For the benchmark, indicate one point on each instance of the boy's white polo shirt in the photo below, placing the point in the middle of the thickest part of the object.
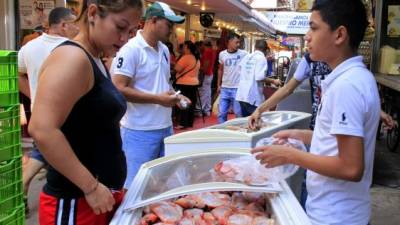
(150, 73)
(349, 106)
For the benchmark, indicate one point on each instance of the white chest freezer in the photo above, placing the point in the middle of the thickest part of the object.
(222, 135)
(189, 173)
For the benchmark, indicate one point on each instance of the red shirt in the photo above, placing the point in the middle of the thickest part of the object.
(208, 54)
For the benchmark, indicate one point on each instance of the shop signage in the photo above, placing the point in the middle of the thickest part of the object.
(303, 5)
(34, 12)
(261, 4)
(212, 33)
(290, 22)
(393, 29)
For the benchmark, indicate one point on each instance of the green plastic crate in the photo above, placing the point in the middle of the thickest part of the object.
(11, 193)
(10, 130)
(8, 78)
(13, 216)
(8, 63)
(10, 152)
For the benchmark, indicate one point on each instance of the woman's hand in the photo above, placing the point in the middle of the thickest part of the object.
(100, 200)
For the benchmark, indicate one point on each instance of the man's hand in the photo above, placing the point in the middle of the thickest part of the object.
(218, 90)
(168, 99)
(183, 98)
(388, 121)
(254, 119)
(277, 82)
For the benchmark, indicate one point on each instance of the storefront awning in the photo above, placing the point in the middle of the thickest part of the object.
(236, 10)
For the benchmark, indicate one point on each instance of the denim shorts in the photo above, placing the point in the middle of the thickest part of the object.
(35, 154)
(141, 146)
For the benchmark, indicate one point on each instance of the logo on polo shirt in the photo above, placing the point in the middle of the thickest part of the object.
(343, 121)
(120, 62)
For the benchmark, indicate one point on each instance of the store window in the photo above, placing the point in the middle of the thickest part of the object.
(389, 46)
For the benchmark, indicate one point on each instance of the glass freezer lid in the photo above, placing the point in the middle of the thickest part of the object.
(269, 120)
(186, 173)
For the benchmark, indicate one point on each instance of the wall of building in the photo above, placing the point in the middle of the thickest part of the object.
(7, 25)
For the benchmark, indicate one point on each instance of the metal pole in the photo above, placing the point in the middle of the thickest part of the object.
(378, 33)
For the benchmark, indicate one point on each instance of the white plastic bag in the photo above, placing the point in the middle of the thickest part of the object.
(283, 171)
(248, 170)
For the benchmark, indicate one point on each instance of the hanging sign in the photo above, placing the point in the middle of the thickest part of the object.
(303, 5)
(261, 4)
(393, 28)
(290, 22)
(212, 33)
(34, 12)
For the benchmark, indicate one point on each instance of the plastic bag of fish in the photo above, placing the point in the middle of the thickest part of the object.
(248, 170)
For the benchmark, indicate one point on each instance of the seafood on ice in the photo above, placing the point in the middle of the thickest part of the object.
(211, 208)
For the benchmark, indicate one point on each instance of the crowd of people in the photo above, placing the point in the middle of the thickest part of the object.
(95, 125)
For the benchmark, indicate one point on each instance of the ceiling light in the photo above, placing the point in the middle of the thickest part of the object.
(203, 7)
(196, 5)
(189, 2)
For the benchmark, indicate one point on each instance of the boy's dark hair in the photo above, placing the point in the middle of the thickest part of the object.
(348, 13)
(232, 35)
(58, 14)
(261, 45)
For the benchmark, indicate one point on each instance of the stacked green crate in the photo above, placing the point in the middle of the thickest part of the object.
(11, 193)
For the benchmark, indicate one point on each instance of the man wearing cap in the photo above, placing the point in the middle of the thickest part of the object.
(141, 72)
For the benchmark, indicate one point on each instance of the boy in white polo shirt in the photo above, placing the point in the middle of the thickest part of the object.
(341, 156)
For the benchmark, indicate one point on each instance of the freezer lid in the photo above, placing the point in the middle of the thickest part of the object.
(206, 136)
(270, 119)
(223, 133)
(186, 173)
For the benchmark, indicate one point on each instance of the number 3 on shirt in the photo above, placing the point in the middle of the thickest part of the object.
(120, 62)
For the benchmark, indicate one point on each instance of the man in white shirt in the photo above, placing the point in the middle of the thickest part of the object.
(341, 156)
(253, 69)
(30, 59)
(228, 77)
(141, 72)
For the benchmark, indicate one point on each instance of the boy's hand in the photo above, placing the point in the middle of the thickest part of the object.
(293, 133)
(273, 155)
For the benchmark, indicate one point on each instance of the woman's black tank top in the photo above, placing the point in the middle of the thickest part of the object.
(92, 129)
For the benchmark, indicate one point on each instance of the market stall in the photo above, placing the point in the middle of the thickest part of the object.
(163, 188)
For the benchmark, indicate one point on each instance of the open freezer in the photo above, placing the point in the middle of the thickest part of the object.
(234, 133)
(171, 181)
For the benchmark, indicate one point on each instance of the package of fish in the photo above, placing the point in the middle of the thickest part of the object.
(211, 208)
